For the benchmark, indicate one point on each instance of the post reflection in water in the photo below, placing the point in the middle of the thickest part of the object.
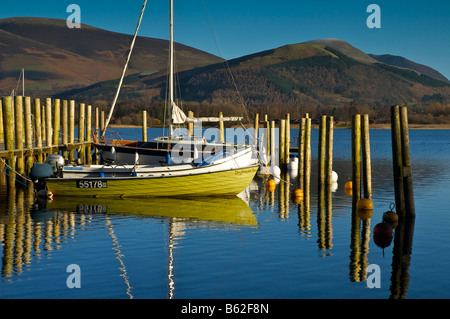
(29, 233)
(359, 244)
(35, 230)
(304, 218)
(401, 258)
(324, 218)
(25, 235)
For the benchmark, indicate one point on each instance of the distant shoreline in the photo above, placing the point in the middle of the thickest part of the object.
(384, 126)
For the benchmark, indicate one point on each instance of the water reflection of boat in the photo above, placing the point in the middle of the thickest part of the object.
(231, 210)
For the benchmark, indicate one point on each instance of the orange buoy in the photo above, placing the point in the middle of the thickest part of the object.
(297, 196)
(270, 184)
(297, 193)
(364, 203)
(348, 188)
(391, 218)
(297, 199)
(364, 214)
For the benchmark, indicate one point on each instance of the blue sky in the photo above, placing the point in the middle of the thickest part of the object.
(418, 30)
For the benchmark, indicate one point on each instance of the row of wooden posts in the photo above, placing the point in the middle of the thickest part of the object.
(54, 123)
(325, 150)
(25, 125)
(361, 158)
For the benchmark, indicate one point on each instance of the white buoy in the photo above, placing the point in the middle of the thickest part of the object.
(293, 165)
(293, 173)
(334, 176)
(275, 171)
(334, 187)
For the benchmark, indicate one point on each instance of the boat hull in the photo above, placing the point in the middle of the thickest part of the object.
(214, 183)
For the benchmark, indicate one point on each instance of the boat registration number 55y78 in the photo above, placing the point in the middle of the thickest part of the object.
(83, 183)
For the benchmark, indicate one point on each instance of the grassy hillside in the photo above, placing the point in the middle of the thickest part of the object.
(405, 63)
(306, 77)
(56, 58)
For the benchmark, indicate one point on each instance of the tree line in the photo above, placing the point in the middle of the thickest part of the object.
(130, 112)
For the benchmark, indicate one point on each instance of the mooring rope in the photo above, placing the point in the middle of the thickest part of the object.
(16, 172)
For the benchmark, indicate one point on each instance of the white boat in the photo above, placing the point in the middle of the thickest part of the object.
(156, 151)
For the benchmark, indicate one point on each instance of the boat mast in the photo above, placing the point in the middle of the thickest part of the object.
(124, 70)
(176, 114)
(171, 99)
(171, 56)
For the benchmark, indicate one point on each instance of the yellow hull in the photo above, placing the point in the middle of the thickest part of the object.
(222, 183)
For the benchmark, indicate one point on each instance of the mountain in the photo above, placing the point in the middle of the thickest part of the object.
(345, 48)
(56, 58)
(316, 74)
(401, 62)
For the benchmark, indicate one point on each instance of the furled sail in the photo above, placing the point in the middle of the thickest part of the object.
(178, 116)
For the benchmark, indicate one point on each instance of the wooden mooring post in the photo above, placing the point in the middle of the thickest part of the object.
(404, 198)
(307, 164)
(8, 121)
(81, 123)
(18, 113)
(361, 162)
(301, 152)
(366, 162)
(284, 142)
(71, 129)
(282, 145)
(221, 128)
(329, 152)
(268, 134)
(144, 126)
(37, 130)
(25, 124)
(56, 121)
(287, 140)
(321, 152)
(256, 129)
(356, 159)
(65, 126)
(28, 133)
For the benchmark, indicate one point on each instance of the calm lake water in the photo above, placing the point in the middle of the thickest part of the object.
(258, 245)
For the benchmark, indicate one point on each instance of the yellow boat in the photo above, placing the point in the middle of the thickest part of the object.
(218, 176)
(229, 182)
